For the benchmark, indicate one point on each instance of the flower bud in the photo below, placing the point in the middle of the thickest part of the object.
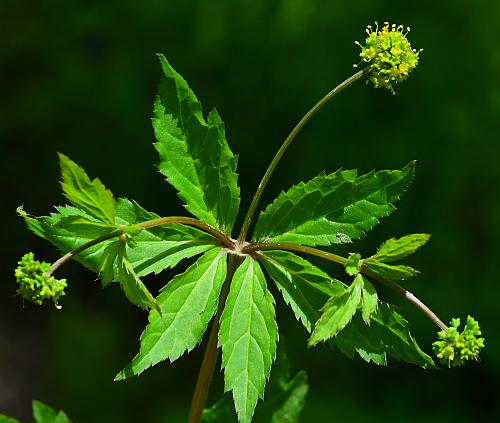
(35, 284)
(389, 54)
(454, 348)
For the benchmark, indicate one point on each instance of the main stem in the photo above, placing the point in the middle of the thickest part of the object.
(265, 179)
(211, 351)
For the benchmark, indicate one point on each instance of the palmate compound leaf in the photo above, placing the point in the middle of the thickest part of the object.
(90, 196)
(387, 334)
(194, 154)
(155, 249)
(248, 336)
(332, 209)
(304, 286)
(188, 303)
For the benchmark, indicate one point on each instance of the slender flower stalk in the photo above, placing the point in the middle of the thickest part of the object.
(253, 248)
(272, 166)
(161, 221)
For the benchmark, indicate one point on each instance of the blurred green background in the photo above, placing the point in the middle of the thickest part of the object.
(79, 76)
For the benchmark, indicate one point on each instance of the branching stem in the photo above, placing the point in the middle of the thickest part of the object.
(252, 248)
(307, 117)
(161, 221)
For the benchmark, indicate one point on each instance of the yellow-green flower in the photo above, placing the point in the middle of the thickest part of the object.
(389, 54)
(454, 348)
(35, 283)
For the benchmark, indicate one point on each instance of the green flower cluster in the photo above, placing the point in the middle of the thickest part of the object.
(390, 55)
(35, 284)
(454, 348)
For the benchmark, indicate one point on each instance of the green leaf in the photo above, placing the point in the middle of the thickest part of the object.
(194, 155)
(369, 299)
(396, 249)
(352, 264)
(332, 209)
(5, 419)
(45, 414)
(221, 411)
(291, 409)
(284, 401)
(337, 313)
(285, 396)
(388, 334)
(365, 340)
(160, 248)
(304, 286)
(248, 337)
(58, 228)
(115, 266)
(90, 196)
(134, 288)
(155, 249)
(108, 266)
(188, 303)
(399, 272)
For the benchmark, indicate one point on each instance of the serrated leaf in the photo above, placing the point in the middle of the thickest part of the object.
(45, 414)
(352, 264)
(388, 334)
(304, 286)
(248, 337)
(365, 340)
(115, 266)
(163, 247)
(90, 196)
(396, 249)
(369, 299)
(155, 249)
(337, 313)
(394, 272)
(285, 397)
(188, 303)
(108, 268)
(332, 209)
(134, 288)
(58, 230)
(194, 155)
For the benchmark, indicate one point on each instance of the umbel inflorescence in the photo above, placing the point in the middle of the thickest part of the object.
(389, 54)
(35, 283)
(455, 348)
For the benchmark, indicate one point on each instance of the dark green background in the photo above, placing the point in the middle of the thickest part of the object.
(80, 77)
